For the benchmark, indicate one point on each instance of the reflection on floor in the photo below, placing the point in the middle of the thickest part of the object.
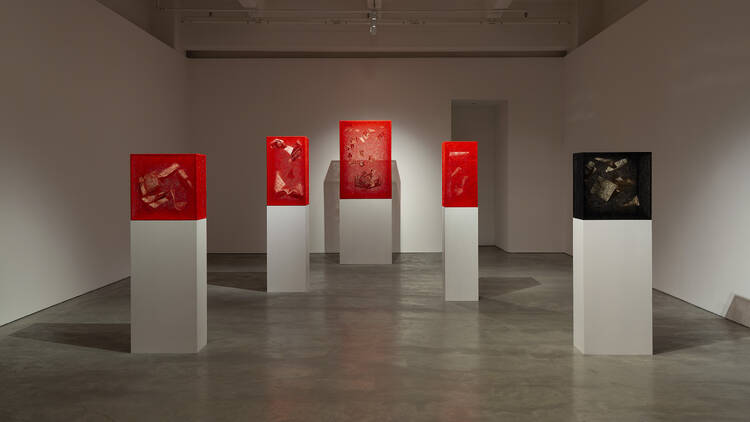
(373, 343)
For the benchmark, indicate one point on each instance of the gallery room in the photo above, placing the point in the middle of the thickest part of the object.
(374, 210)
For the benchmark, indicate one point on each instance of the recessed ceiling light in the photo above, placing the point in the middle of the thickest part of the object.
(249, 4)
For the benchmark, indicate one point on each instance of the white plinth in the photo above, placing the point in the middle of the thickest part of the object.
(612, 287)
(331, 207)
(167, 286)
(461, 253)
(288, 248)
(365, 231)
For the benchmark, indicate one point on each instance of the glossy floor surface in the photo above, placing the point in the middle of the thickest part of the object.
(373, 343)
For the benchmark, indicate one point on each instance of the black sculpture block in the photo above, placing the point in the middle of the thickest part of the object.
(612, 185)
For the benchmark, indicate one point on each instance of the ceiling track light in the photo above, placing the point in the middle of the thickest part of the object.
(251, 19)
(372, 16)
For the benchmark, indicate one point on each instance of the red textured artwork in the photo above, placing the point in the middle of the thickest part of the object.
(287, 169)
(365, 159)
(167, 186)
(460, 174)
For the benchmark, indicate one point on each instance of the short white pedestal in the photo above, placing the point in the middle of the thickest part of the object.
(612, 287)
(365, 231)
(288, 248)
(461, 253)
(167, 286)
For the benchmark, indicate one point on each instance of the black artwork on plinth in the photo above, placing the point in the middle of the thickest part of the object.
(612, 185)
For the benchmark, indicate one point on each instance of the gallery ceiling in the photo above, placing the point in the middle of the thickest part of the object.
(353, 4)
(372, 25)
(272, 28)
(391, 12)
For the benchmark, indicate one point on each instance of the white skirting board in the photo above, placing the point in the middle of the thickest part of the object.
(168, 286)
(461, 253)
(288, 248)
(612, 312)
(365, 231)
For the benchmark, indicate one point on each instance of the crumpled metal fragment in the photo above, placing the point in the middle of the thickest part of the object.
(280, 186)
(166, 188)
(367, 179)
(604, 188)
(294, 151)
(457, 181)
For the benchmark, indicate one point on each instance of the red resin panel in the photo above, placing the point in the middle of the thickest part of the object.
(460, 174)
(287, 170)
(167, 186)
(365, 159)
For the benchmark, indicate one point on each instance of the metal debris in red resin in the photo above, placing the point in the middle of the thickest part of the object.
(460, 174)
(287, 167)
(167, 186)
(365, 148)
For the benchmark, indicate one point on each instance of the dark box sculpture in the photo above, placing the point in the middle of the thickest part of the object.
(612, 185)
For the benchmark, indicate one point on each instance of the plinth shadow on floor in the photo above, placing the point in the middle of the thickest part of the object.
(374, 343)
(112, 337)
(679, 325)
(497, 286)
(256, 281)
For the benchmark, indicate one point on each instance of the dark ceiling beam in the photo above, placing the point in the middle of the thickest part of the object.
(245, 54)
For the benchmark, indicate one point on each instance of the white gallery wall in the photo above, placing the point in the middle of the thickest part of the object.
(672, 79)
(236, 103)
(502, 186)
(144, 14)
(81, 89)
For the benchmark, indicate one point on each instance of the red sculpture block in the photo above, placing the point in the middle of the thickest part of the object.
(287, 170)
(365, 159)
(460, 176)
(167, 186)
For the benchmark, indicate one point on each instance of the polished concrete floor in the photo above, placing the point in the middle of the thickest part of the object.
(373, 343)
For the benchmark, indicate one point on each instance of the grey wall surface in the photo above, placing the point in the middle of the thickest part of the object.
(81, 89)
(502, 182)
(666, 79)
(235, 104)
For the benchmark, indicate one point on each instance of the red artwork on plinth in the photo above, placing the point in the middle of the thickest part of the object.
(287, 169)
(365, 159)
(460, 176)
(167, 186)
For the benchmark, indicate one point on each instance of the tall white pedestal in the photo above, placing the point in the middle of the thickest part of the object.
(365, 231)
(461, 253)
(167, 286)
(331, 187)
(612, 287)
(288, 248)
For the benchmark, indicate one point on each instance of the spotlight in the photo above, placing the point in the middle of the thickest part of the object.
(373, 23)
